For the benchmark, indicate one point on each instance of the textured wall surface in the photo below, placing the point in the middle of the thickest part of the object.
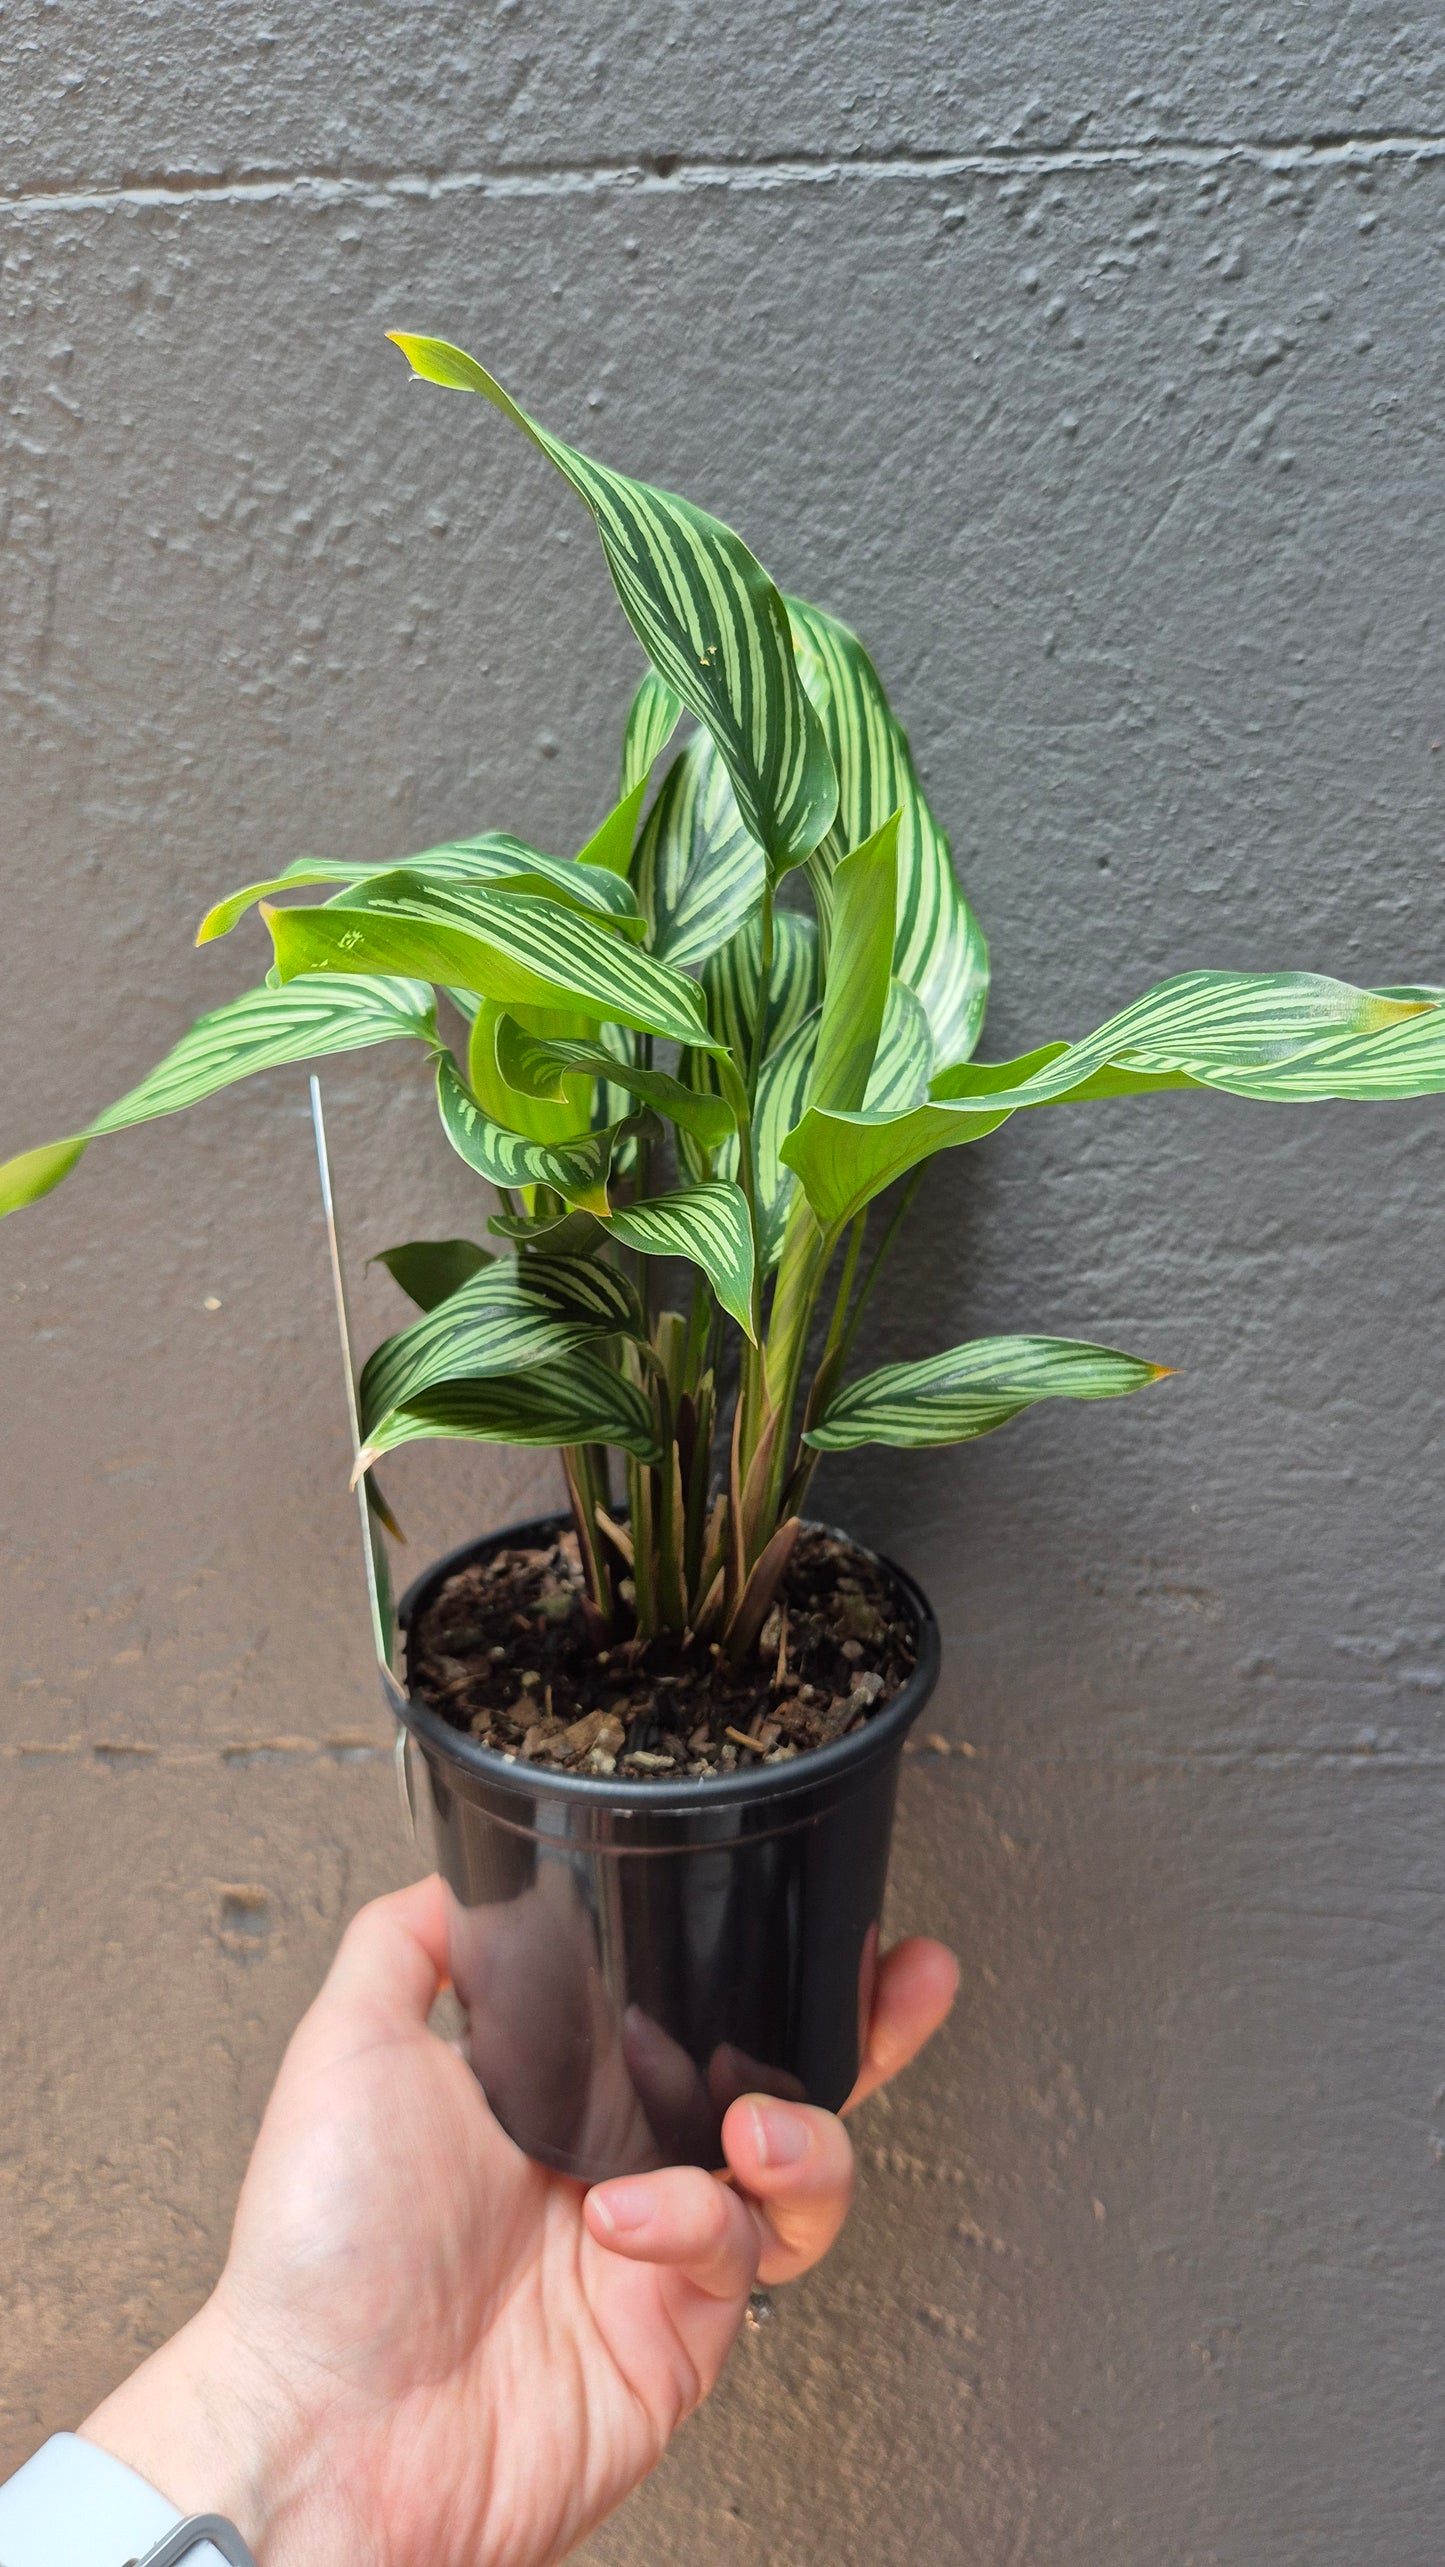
(1090, 361)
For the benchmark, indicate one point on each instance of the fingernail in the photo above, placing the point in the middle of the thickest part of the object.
(626, 2206)
(781, 2137)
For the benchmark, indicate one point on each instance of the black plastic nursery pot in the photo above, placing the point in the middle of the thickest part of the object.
(630, 1957)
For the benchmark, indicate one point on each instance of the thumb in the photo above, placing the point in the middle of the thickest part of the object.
(389, 1966)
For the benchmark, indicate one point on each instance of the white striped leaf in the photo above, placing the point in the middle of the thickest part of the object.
(1280, 1035)
(574, 1400)
(578, 1170)
(522, 952)
(899, 1077)
(537, 1064)
(428, 1270)
(951, 1398)
(698, 874)
(730, 989)
(513, 1314)
(901, 1064)
(652, 717)
(939, 948)
(707, 1223)
(557, 1234)
(730, 983)
(561, 1116)
(576, 882)
(707, 615)
(264, 1029)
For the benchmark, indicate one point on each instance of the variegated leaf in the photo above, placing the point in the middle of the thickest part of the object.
(557, 1234)
(510, 1316)
(730, 983)
(568, 1110)
(939, 949)
(1280, 1035)
(707, 1223)
(652, 717)
(899, 1077)
(698, 874)
(588, 886)
(574, 1400)
(536, 1065)
(578, 1170)
(901, 1064)
(951, 1398)
(264, 1029)
(708, 617)
(522, 952)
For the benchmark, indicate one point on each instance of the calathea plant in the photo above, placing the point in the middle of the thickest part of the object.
(724, 1040)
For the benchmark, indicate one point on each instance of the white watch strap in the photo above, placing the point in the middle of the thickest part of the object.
(72, 2505)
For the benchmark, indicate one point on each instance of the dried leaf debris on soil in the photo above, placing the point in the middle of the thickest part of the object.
(503, 1651)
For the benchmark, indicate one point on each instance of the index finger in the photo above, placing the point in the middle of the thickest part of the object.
(917, 1983)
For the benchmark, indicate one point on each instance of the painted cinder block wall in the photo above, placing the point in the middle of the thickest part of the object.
(1090, 362)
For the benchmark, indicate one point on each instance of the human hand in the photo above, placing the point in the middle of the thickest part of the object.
(427, 2351)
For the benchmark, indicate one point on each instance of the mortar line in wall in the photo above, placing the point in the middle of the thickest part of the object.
(352, 1748)
(346, 1747)
(680, 177)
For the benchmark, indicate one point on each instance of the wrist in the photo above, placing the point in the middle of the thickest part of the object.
(213, 2433)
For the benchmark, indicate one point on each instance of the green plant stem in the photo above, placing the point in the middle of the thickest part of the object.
(845, 1286)
(880, 1256)
(765, 982)
(641, 1189)
(840, 1338)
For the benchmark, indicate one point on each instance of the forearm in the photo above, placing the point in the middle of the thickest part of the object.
(213, 2432)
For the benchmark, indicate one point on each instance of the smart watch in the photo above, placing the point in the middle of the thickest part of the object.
(72, 2505)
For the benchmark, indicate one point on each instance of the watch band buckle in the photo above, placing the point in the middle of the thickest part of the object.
(187, 2536)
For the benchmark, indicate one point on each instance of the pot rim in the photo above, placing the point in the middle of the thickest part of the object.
(879, 1737)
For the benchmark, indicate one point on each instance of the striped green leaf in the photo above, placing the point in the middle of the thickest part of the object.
(428, 1270)
(855, 990)
(899, 1077)
(652, 717)
(951, 1398)
(901, 1064)
(707, 615)
(536, 1065)
(698, 874)
(509, 1317)
(708, 1224)
(265, 1029)
(558, 1234)
(574, 1400)
(939, 949)
(578, 1170)
(579, 883)
(568, 1110)
(782, 1090)
(1276, 1035)
(730, 983)
(521, 952)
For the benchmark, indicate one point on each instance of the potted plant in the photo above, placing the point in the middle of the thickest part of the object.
(704, 1065)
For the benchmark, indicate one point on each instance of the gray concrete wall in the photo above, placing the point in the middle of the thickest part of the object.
(1090, 361)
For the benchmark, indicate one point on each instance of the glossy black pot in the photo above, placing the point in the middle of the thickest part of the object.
(630, 1957)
